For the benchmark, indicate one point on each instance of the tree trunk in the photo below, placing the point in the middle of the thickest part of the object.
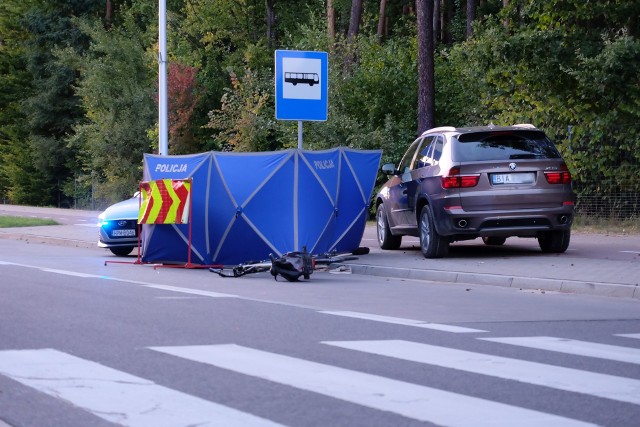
(354, 20)
(108, 15)
(437, 27)
(505, 4)
(448, 10)
(331, 21)
(271, 22)
(352, 34)
(426, 76)
(471, 16)
(382, 20)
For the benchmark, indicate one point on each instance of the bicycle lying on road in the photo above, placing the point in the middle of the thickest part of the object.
(291, 265)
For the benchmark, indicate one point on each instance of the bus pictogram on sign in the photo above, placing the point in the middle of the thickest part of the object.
(295, 78)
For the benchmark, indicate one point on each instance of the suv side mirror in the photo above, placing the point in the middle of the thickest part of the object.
(389, 169)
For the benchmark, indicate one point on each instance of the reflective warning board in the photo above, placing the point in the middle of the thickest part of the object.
(165, 201)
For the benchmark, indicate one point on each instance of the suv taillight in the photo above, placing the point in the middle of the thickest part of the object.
(563, 176)
(454, 180)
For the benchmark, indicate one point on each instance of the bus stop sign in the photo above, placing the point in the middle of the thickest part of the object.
(302, 82)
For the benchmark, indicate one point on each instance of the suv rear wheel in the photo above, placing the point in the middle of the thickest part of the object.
(432, 244)
(554, 242)
(386, 240)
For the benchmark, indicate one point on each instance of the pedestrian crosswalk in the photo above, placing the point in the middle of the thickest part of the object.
(130, 400)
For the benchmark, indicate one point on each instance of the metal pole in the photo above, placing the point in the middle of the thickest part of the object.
(163, 143)
(93, 199)
(300, 134)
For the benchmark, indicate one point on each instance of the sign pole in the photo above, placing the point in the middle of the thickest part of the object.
(163, 143)
(299, 134)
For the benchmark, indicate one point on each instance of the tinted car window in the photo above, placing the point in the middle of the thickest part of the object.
(437, 148)
(426, 150)
(406, 164)
(480, 146)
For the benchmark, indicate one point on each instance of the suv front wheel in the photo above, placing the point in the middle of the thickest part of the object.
(432, 244)
(494, 241)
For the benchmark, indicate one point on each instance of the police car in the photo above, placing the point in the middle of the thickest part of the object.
(118, 226)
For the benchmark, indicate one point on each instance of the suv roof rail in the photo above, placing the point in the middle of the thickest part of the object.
(440, 129)
(524, 126)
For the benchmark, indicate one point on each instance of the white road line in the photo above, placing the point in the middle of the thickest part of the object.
(190, 291)
(135, 282)
(402, 321)
(409, 400)
(57, 271)
(630, 252)
(116, 396)
(637, 336)
(580, 348)
(567, 379)
(67, 272)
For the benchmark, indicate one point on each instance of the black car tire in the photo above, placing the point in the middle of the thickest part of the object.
(494, 241)
(121, 250)
(386, 240)
(432, 244)
(554, 242)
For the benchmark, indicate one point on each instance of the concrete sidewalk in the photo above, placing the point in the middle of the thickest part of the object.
(517, 264)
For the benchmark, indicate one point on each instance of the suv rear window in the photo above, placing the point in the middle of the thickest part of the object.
(504, 145)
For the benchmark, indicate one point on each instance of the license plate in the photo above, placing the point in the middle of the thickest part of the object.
(123, 233)
(513, 178)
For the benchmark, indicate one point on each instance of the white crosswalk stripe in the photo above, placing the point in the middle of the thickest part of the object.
(410, 400)
(637, 336)
(569, 346)
(116, 396)
(567, 379)
(403, 321)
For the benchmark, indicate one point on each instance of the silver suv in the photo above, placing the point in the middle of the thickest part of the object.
(457, 184)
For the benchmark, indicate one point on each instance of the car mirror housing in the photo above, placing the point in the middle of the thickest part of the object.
(389, 169)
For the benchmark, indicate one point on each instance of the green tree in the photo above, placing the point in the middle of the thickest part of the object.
(15, 82)
(52, 108)
(245, 120)
(116, 87)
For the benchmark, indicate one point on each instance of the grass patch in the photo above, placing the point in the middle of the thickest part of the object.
(589, 224)
(19, 221)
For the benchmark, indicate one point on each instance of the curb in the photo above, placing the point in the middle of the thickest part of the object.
(556, 285)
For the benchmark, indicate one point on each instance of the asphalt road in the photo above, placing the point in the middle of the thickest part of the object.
(88, 344)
